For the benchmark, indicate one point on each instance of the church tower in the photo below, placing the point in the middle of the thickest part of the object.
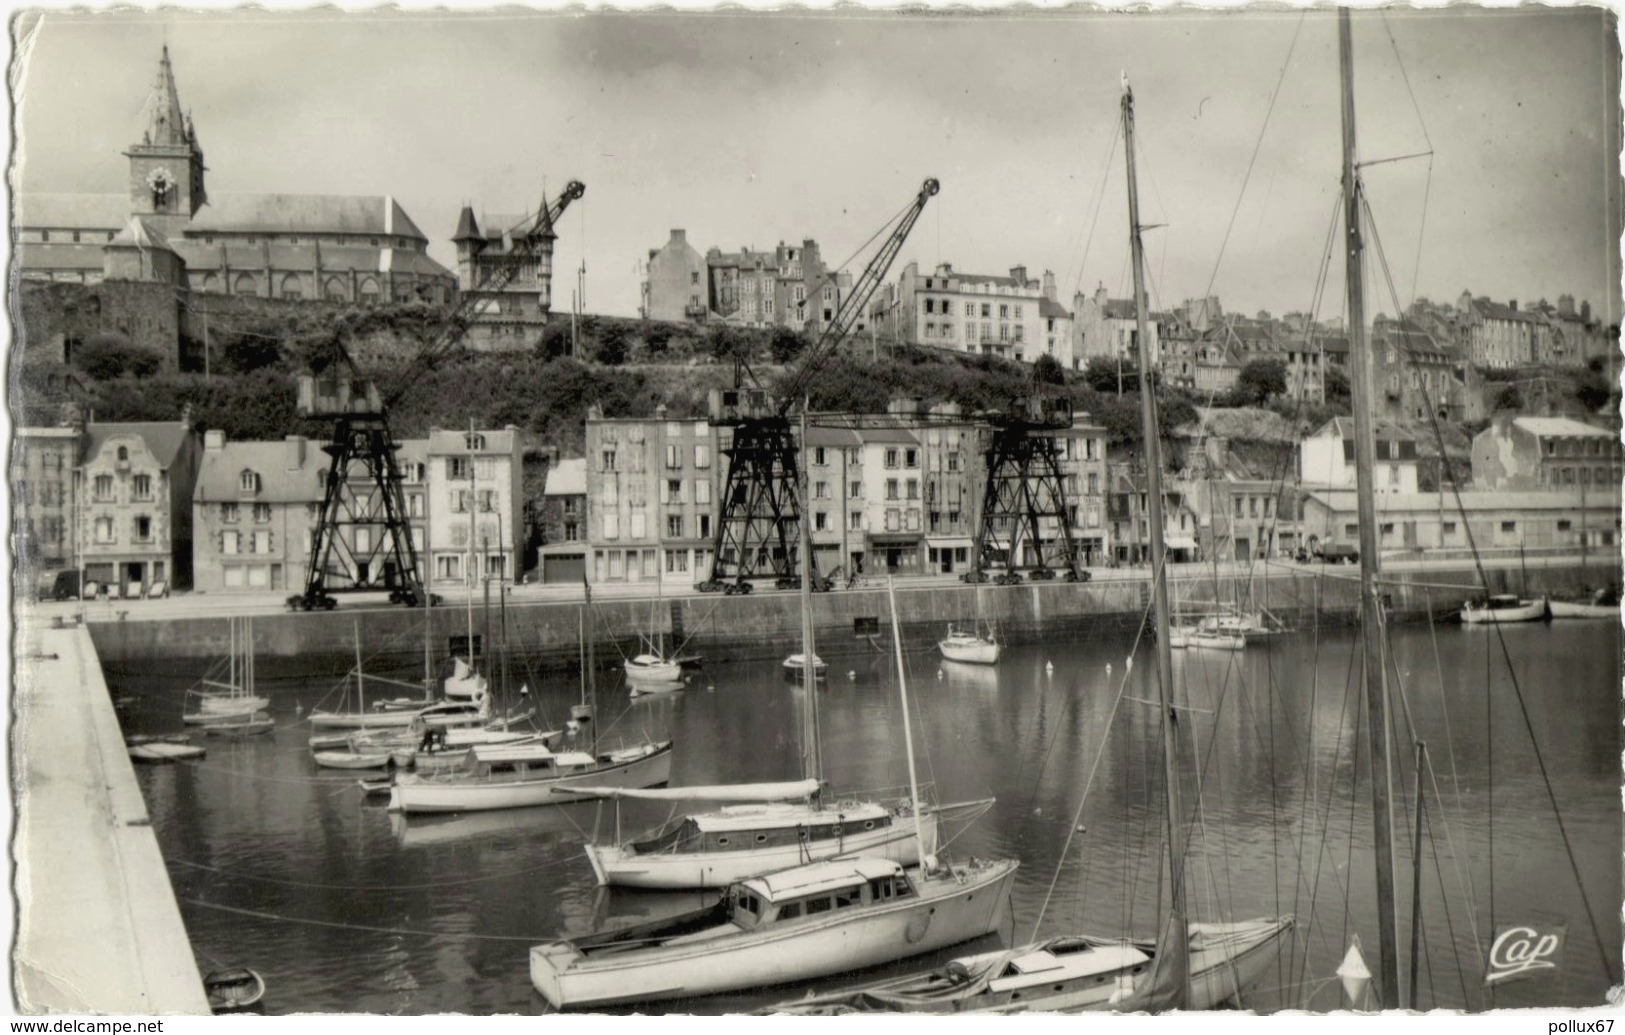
(166, 168)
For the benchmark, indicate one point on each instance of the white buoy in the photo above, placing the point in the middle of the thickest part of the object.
(1108, 668)
(939, 673)
(1130, 663)
(851, 674)
(1354, 973)
(1049, 668)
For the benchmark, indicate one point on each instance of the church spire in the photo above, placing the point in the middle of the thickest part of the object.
(165, 123)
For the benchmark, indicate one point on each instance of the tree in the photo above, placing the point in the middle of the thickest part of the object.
(786, 344)
(1108, 374)
(1592, 390)
(1258, 382)
(110, 354)
(1337, 389)
(1507, 397)
(1047, 370)
(612, 344)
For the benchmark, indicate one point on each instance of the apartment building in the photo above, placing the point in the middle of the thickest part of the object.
(472, 482)
(43, 528)
(1535, 453)
(651, 490)
(133, 505)
(977, 313)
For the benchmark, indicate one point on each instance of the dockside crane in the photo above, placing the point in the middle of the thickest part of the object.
(758, 528)
(1025, 496)
(362, 486)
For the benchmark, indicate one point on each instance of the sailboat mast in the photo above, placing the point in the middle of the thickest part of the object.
(908, 737)
(1360, 388)
(812, 764)
(1159, 571)
(360, 683)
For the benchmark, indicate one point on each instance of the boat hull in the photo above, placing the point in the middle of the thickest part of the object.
(413, 794)
(617, 866)
(945, 912)
(1216, 641)
(978, 652)
(1528, 611)
(1226, 960)
(1574, 609)
(351, 759)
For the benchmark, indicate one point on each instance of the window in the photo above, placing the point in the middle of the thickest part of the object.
(891, 458)
(705, 526)
(1094, 484)
(913, 488)
(674, 527)
(820, 521)
(262, 541)
(1565, 526)
(228, 513)
(891, 488)
(414, 505)
(820, 490)
(674, 455)
(141, 487)
(638, 526)
(674, 491)
(457, 468)
(676, 561)
(612, 526)
(103, 488)
(1509, 526)
(818, 457)
(854, 520)
(123, 454)
(953, 460)
(607, 458)
(229, 542)
(854, 491)
(262, 513)
(487, 500)
(459, 501)
(970, 308)
(702, 491)
(911, 458)
(448, 566)
(702, 455)
(104, 530)
(1238, 501)
(248, 481)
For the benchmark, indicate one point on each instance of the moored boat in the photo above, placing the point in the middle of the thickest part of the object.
(1069, 972)
(1604, 603)
(650, 671)
(1503, 608)
(966, 646)
(810, 921)
(162, 750)
(1212, 639)
(512, 776)
(797, 662)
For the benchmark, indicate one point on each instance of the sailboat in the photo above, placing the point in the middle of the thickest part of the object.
(767, 826)
(348, 721)
(650, 671)
(804, 922)
(234, 705)
(970, 645)
(514, 775)
(1189, 966)
(1600, 603)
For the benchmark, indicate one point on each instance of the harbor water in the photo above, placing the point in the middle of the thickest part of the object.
(345, 907)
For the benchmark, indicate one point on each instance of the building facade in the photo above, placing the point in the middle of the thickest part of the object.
(651, 487)
(44, 528)
(675, 283)
(1539, 453)
(975, 313)
(564, 522)
(1500, 336)
(1108, 328)
(1326, 458)
(1481, 521)
(133, 500)
(778, 288)
(254, 513)
(475, 506)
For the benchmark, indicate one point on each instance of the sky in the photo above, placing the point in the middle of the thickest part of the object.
(746, 129)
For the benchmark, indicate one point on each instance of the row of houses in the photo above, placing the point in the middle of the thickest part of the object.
(140, 508)
(143, 508)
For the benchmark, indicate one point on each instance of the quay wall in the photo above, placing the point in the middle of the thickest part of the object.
(765, 625)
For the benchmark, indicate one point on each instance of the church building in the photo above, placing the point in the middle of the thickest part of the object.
(166, 227)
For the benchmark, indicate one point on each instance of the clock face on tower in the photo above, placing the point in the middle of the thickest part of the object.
(162, 183)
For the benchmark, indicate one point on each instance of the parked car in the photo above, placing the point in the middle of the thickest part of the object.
(1339, 553)
(62, 585)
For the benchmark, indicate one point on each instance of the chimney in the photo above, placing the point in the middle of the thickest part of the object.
(660, 412)
(1019, 275)
(1049, 285)
(1585, 312)
(679, 236)
(186, 415)
(214, 439)
(296, 451)
(1513, 305)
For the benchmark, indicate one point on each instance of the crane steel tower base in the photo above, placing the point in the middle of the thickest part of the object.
(760, 523)
(1024, 497)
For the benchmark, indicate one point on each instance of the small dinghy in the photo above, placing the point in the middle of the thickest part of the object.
(234, 991)
(251, 726)
(352, 759)
(162, 749)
